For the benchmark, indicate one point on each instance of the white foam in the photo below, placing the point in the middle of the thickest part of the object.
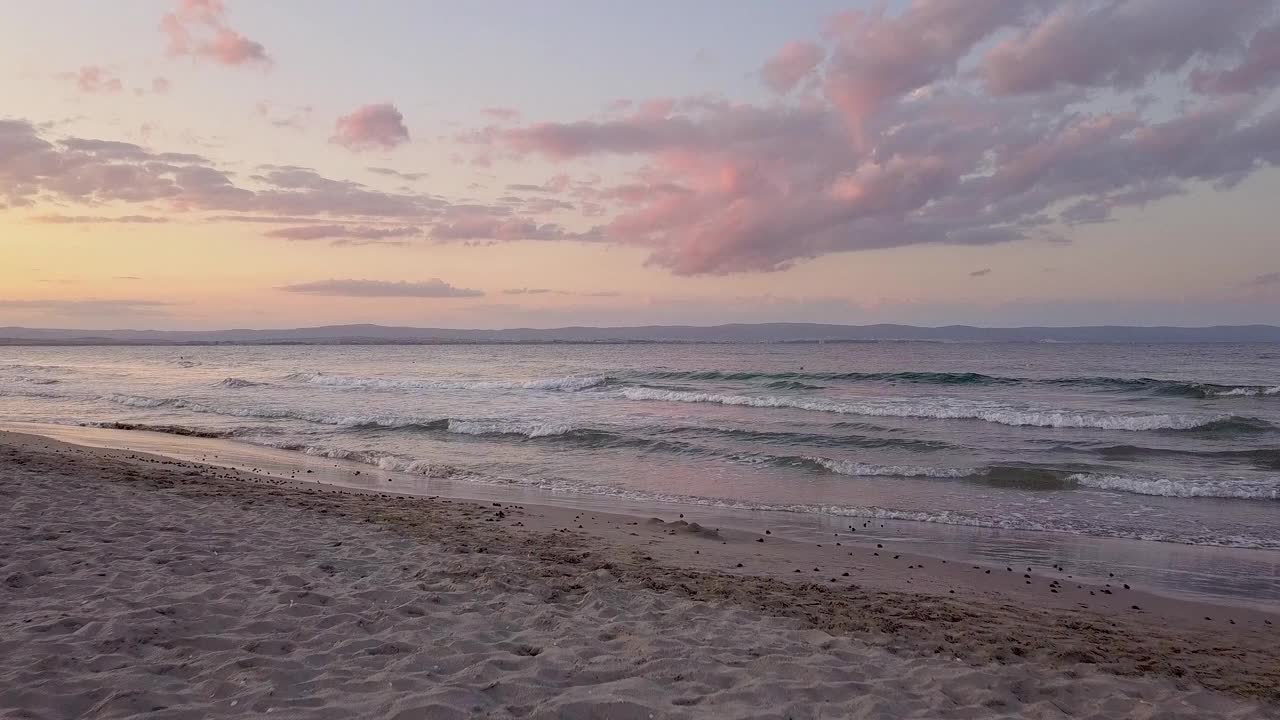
(381, 460)
(1165, 487)
(572, 383)
(1250, 391)
(857, 469)
(940, 409)
(1006, 520)
(234, 382)
(530, 430)
(386, 421)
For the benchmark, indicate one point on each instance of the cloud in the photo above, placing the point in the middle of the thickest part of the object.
(466, 224)
(95, 79)
(264, 219)
(1128, 43)
(546, 291)
(961, 122)
(433, 288)
(96, 219)
(791, 65)
(161, 85)
(501, 114)
(87, 307)
(945, 122)
(294, 118)
(1264, 280)
(348, 233)
(1259, 67)
(199, 29)
(980, 273)
(92, 171)
(410, 177)
(371, 127)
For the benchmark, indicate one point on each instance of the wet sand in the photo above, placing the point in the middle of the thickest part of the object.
(131, 582)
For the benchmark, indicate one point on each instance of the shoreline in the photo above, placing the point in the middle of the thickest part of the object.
(1244, 578)
(895, 600)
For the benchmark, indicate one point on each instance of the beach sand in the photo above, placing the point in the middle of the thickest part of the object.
(133, 585)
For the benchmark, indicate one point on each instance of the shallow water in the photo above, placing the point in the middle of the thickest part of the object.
(1166, 442)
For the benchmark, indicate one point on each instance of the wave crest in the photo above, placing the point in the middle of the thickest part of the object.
(1177, 488)
(572, 383)
(234, 382)
(940, 410)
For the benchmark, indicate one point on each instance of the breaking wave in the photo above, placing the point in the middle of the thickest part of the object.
(182, 430)
(943, 409)
(348, 421)
(1182, 488)
(797, 381)
(234, 382)
(573, 383)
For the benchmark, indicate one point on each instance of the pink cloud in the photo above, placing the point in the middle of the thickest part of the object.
(960, 122)
(94, 79)
(794, 62)
(880, 57)
(198, 29)
(925, 134)
(370, 127)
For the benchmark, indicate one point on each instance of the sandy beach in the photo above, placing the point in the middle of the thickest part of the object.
(135, 585)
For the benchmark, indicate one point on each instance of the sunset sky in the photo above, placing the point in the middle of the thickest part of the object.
(212, 164)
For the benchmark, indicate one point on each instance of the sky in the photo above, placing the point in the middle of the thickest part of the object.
(224, 163)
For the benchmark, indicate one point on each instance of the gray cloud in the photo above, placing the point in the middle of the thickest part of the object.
(546, 291)
(350, 233)
(1264, 280)
(96, 219)
(411, 177)
(433, 288)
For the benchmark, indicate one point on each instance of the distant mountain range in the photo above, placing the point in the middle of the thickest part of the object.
(738, 333)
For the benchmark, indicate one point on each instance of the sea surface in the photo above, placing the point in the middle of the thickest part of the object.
(1171, 443)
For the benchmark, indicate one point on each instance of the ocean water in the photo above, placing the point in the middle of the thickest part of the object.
(1173, 443)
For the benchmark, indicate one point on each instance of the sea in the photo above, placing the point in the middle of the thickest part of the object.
(1175, 444)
